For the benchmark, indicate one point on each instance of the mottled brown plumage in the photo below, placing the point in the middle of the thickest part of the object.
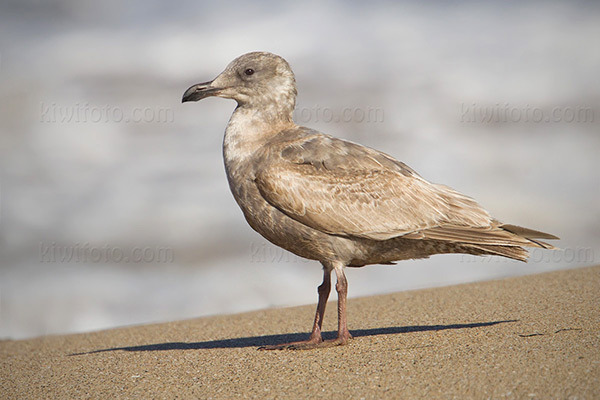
(335, 201)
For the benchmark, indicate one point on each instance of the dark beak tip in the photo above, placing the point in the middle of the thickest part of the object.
(198, 92)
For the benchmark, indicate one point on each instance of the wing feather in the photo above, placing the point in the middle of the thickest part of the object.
(346, 189)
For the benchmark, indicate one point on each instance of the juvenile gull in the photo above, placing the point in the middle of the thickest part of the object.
(334, 201)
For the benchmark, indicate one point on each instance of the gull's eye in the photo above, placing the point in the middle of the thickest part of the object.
(249, 71)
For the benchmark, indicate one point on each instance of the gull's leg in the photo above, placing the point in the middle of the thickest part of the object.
(323, 290)
(342, 289)
(315, 337)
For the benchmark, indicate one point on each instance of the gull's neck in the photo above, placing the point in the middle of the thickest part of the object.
(249, 128)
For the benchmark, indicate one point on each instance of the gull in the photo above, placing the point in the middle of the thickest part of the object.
(335, 201)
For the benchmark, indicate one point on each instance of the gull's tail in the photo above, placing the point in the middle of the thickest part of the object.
(527, 237)
(497, 239)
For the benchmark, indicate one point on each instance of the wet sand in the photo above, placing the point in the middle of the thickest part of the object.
(528, 337)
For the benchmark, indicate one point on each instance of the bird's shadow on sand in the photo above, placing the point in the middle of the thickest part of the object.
(257, 341)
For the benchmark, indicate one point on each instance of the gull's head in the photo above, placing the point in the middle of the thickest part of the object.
(259, 80)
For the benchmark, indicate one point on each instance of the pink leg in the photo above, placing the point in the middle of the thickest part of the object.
(315, 337)
(323, 291)
(342, 290)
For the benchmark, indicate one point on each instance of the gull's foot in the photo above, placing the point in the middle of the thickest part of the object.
(341, 340)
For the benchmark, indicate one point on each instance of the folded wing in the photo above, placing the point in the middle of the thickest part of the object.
(345, 189)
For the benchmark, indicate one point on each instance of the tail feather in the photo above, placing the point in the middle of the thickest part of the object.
(528, 233)
(497, 239)
(494, 235)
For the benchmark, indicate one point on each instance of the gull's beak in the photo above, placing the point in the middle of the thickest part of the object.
(199, 92)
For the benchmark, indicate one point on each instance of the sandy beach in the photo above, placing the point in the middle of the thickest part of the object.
(536, 336)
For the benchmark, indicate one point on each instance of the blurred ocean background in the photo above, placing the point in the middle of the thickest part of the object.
(114, 206)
